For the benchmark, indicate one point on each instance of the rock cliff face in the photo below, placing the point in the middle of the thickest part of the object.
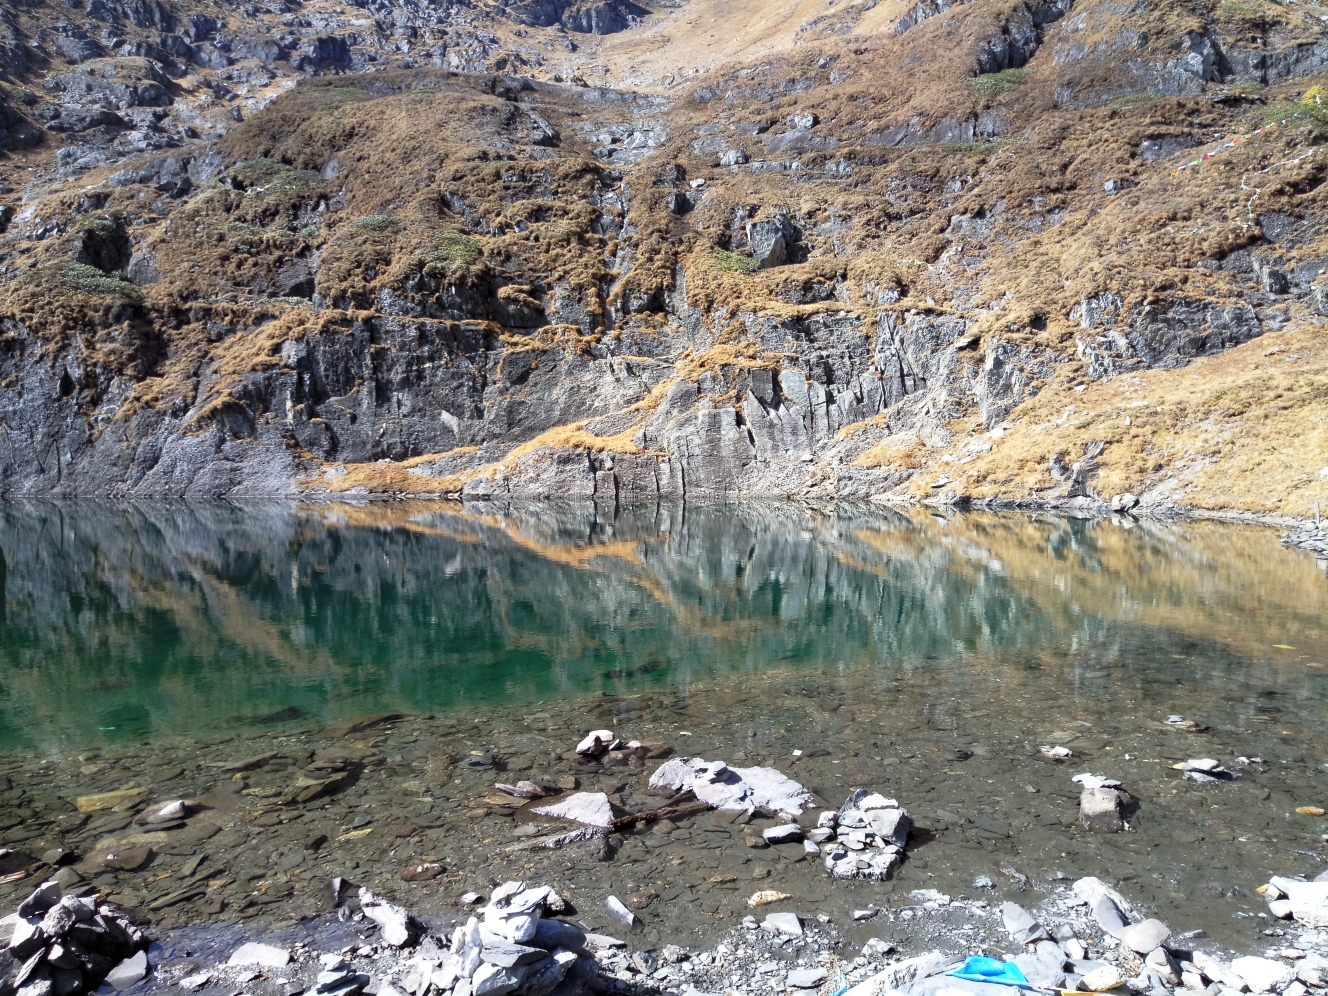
(942, 253)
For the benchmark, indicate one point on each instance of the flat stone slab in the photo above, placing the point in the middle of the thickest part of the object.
(1144, 937)
(783, 923)
(591, 808)
(901, 974)
(1021, 924)
(1109, 917)
(722, 787)
(107, 800)
(1090, 888)
(255, 953)
(129, 972)
(806, 978)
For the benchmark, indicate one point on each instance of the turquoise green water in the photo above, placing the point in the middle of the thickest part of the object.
(134, 621)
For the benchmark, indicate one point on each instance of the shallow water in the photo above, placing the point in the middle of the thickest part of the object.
(926, 655)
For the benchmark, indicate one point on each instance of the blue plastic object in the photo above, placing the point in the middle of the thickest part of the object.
(978, 969)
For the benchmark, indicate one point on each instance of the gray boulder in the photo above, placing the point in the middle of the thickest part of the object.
(16, 131)
(117, 84)
(600, 17)
(1145, 937)
(1021, 925)
(77, 119)
(74, 43)
(767, 241)
(140, 13)
(1273, 280)
(1101, 809)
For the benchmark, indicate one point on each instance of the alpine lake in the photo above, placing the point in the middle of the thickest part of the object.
(340, 687)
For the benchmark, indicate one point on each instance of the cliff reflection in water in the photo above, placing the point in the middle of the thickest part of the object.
(168, 618)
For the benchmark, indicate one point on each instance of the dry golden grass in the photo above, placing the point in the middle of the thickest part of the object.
(395, 477)
(655, 398)
(731, 355)
(1245, 429)
(893, 453)
(574, 437)
(389, 477)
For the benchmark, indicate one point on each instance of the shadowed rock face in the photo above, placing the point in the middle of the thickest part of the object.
(596, 17)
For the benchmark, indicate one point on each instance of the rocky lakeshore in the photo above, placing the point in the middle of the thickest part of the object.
(295, 871)
(1311, 535)
(1083, 936)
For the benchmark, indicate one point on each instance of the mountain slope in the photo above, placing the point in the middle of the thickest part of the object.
(924, 251)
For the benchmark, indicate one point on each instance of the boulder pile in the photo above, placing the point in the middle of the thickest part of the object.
(865, 839)
(64, 945)
(510, 948)
(1295, 898)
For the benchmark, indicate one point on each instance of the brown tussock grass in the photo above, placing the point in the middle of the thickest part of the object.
(734, 355)
(1239, 430)
(574, 437)
(899, 452)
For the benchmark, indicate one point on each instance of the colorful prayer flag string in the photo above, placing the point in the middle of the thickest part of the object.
(1232, 143)
(1224, 146)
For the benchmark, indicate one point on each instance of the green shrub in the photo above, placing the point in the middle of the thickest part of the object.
(460, 250)
(375, 223)
(1236, 11)
(456, 255)
(98, 224)
(990, 85)
(328, 99)
(79, 278)
(1129, 99)
(1313, 115)
(734, 262)
(274, 178)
